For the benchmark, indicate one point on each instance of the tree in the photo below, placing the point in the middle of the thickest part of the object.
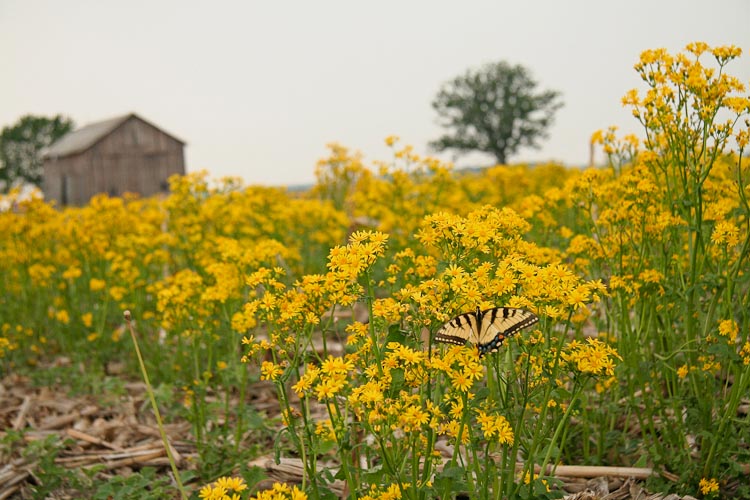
(494, 110)
(21, 148)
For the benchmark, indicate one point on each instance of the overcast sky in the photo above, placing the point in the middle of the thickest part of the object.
(257, 89)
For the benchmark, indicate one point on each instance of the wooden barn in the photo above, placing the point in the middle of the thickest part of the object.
(115, 156)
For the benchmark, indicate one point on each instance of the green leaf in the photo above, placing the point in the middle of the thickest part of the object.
(450, 480)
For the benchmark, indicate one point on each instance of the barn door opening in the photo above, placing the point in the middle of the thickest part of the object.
(65, 190)
(68, 191)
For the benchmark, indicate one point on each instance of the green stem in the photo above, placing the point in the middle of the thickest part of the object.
(371, 324)
(240, 409)
(389, 465)
(155, 407)
(560, 426)
(730, 412)
(339, 422)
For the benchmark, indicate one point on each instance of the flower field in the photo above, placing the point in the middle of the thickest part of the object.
(637, 269)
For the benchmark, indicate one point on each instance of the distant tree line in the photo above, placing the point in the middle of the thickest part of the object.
(21, 148)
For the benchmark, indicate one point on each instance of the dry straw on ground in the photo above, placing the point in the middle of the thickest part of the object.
(121, 436)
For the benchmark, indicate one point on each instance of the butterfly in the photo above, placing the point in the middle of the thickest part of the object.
(485, 329)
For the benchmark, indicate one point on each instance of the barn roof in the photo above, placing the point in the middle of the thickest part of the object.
(83, 138)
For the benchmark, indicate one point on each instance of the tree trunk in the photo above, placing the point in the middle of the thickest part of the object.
(500, 157)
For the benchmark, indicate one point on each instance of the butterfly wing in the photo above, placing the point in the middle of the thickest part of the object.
(459, 330)
(499, 323)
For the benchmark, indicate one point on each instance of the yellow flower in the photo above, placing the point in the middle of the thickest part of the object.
(72, 272)
(324, 429)
(87, 319)
(495, 427)
(726, 52)
(227, 282)
(726, 233)
(62, 316)
(357, 330)
(728, 328)
(117, 293)
(697, 48)
(305, 382)
(391, 140)
(594, 357)
(598, 136)
(529, 477)
(281, 491)
(578, 297)
(473, 369)
(745, 353)
(212, 493)
(232, 483)
(270, 371)
(336, 365)
(405, 355)
(708, 486)
(412, 418)
(96, 284)
(327, 388)
(461, 381)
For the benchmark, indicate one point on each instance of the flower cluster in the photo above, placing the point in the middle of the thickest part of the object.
(709, 487)
(221, 489)
(594, 357)
(297, 307)
(232, 488)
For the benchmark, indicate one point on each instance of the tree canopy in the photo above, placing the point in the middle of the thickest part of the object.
(495, 109)
(21, 148)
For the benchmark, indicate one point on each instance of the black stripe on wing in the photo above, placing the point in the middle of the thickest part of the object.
(458, 330)
(499, 323)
